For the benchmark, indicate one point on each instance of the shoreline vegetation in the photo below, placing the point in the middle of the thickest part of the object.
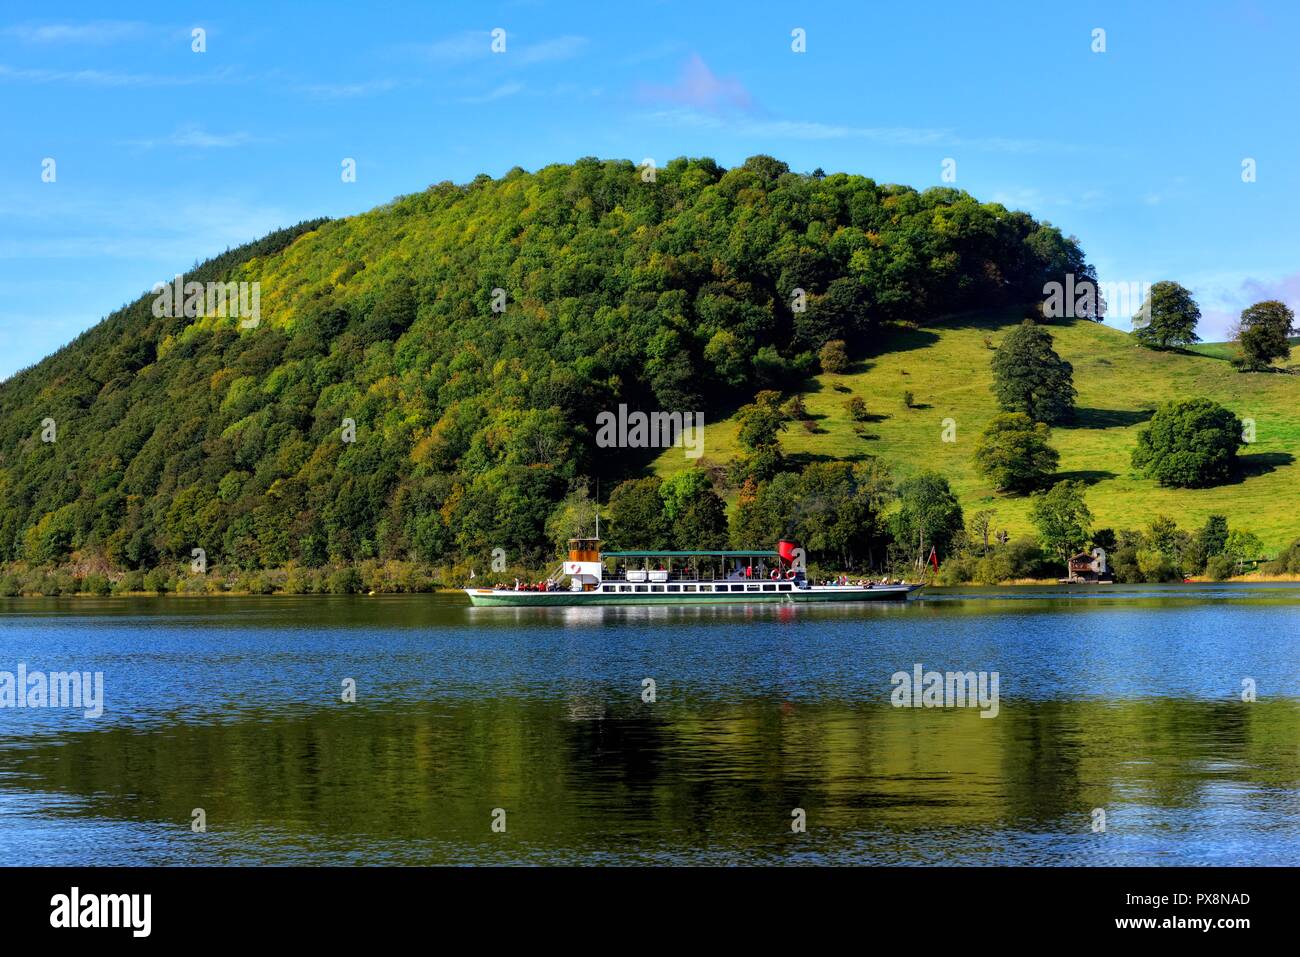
(395, 578)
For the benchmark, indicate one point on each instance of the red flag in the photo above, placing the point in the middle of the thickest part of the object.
(934, 558)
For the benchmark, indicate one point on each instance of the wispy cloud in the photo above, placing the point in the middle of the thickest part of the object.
(193, 136)
(699, 88)
(499, 93)
(477, 44)
(777, 128)
(560, 48)
(111, 78)
(94, 32)
(337, 91)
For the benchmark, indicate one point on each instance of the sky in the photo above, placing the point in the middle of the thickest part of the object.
(164, 155)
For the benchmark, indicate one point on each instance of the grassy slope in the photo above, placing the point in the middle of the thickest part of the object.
(946, 367)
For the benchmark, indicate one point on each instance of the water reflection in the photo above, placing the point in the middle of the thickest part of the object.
(1131, 705)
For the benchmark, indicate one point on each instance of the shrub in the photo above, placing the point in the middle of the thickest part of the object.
(95, 584)
(345, 581)
(856, 407)
(909, 400)
(1219, 568)
(156, 581)
(834, 357)
(9, 587)
(132, 581)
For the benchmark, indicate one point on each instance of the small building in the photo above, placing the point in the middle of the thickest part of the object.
(1085, 567)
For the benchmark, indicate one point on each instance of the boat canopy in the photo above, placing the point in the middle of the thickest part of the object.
(755, 553)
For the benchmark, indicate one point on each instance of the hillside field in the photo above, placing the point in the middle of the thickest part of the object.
(946, 366)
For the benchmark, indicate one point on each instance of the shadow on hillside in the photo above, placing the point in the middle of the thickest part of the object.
(1086, 476)
(903, 340)
(802, 459)
(1106, 418)
(1260, 463)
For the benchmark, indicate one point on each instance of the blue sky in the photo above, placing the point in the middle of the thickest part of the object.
(165, 156)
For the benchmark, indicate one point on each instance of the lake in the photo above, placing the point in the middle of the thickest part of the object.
(1125, 701)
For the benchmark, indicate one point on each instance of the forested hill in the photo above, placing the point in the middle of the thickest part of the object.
(474, 409)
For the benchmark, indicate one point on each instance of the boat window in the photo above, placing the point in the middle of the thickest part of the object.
(769, 588)
(784, 587)
(737, 587)
(674, 587)
(706, 588)
(656, 587)
(624, 587)
(689, 588)
(642, 588)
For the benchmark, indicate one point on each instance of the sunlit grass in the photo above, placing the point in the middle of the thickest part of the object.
(946, 367)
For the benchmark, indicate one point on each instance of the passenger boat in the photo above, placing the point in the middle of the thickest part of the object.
(592, 577)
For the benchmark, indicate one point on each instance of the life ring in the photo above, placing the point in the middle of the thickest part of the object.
(776, 574)
(791, 575)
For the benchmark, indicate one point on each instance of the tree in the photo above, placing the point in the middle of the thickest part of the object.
(761, 424)
(1265, 331)
(1189, 444)
(834, 357)
(1062, 518)
(1013, 452)
(981, 525)
(1213, 535)
(696, 517)
(636, 515)
(1168, 318)
(1029, 377)
(928, 515)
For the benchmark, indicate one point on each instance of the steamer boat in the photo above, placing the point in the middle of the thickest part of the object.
(657, 577)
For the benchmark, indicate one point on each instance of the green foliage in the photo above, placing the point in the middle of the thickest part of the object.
(471, 426)
(834, 357)
(636, 516)
(856, 407)
(1029, 377)
(1013, 452)
(1189, 444)
(835, 510)
(1265, 331)
(1169, 317)
(1062, 518)
(928, 515)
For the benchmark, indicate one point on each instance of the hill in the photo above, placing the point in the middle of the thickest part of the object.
(945, 364)
(420, 382)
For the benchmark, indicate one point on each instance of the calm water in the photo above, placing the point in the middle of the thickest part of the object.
(1127, 700)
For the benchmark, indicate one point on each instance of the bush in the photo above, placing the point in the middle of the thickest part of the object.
(1287, 563)
(834, 357)
(345, 581)
(156, 581)
(132, 581)
(1189, 444)
(9, 587)
(1219, 568)
(94, 584)
(856, 407)
(909, 399)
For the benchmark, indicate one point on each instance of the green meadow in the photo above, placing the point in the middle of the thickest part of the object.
(946, 367)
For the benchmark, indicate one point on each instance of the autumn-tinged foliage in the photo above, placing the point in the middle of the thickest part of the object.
(472, 425)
